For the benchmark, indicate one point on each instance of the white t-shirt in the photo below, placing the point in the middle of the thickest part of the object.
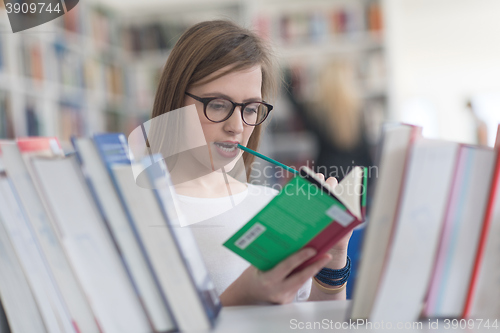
(214, 220)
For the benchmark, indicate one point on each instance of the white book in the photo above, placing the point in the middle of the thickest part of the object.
(159, 180)
(15, 293)
(408, 267)
(89, 246)
(167, 261)
(47, 296)
(123, 234)
(460, 237)
(49, 241)
(396, 146)
(486, 293)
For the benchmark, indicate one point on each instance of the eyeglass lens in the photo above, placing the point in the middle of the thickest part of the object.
(218, 109)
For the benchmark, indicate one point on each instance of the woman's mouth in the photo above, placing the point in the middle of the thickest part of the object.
(227, 149)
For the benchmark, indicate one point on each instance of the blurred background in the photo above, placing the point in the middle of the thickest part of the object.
(434, 63)
(347, 66)
(427, 62)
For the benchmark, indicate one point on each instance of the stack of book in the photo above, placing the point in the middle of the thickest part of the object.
(433, 235)
(84, 249)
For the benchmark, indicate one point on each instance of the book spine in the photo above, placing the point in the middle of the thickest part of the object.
(446, 227)
(209, 305)
(415, 135)
(120, 157)
(484, 236)
(98, 204)
(365, 191)
(497, 140)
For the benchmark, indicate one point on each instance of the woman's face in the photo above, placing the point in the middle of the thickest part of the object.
(240, 87)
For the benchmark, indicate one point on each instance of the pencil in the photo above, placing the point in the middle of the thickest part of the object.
(270, 160)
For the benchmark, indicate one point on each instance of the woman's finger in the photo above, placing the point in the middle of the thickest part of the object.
(287, 265)
(332, 181)
(320, 176)
(298, 279)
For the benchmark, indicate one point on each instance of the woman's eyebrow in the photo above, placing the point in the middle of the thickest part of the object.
(222, 95)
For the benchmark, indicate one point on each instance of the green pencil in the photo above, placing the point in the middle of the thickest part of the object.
(270, 160)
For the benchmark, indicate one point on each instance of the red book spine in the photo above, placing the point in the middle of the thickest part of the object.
(30, 144)
(324, 241)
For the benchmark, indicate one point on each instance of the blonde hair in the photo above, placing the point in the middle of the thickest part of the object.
(204, 49)
(338, 110)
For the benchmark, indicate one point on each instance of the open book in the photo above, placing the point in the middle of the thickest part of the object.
(307, 212)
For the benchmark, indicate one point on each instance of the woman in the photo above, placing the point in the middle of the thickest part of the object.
(226, 73)
(336, 119)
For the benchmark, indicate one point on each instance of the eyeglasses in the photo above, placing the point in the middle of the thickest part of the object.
(219, 109)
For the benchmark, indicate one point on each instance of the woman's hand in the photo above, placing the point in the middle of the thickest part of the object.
(275, 285)
(341, 245)
(339, 258)
(339, 250)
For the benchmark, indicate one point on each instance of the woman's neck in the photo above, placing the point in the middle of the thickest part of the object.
(213, 185)
(190, 181)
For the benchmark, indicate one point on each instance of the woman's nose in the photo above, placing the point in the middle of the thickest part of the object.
(234, 124)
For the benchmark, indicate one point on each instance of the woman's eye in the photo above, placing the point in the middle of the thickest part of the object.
(251, 109)
(218, 106)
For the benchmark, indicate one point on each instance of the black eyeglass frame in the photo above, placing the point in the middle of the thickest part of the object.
(242, 106)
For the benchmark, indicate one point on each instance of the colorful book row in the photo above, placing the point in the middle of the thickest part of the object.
(85, 249)
(432, 240)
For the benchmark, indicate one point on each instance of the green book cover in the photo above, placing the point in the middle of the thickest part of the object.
(303, 213)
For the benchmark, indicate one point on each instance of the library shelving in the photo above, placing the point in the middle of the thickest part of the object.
(66, 77)
(305, 36)
(96, 70)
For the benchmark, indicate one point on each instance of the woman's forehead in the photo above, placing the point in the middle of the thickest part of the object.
(241, 84)
(229, 72)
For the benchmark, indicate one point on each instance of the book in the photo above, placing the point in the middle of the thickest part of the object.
(484, 289)
(89, 246)
(163, 189)
(32, 116)
(19, 308)
(39, 146)
(121, 229)
(46, 234)
(53, 310)
(307, 212)
(460, 235)
(6, 119)
(164, 253)
(397, 142)
(71, 119)
(15, 294)
(407, 271)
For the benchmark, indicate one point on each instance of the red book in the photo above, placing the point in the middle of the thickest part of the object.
(49, 145)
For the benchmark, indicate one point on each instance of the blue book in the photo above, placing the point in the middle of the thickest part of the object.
(186, 302)
(123, 234)
(163, 190)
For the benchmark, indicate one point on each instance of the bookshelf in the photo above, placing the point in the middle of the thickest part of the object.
(66, 77)
(96, 70)
(305, 36)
